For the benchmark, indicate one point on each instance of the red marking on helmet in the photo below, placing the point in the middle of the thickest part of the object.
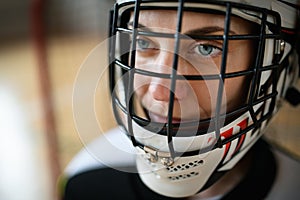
(227, 133)
(242, 125)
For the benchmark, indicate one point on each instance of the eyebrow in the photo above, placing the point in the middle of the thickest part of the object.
(207, 30)
(198, 31)
(140, 26)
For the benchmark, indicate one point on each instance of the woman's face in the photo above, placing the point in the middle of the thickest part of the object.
(194, 99)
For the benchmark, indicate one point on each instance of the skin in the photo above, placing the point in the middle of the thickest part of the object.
(194, 100)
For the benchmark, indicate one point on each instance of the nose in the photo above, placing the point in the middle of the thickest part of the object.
(160, 87)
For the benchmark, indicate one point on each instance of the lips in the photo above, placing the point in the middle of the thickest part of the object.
(161, 119)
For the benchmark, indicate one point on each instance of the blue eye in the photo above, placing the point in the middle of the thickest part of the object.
(142, 44)
(205, 50)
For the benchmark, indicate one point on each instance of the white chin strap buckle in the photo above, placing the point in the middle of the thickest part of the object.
(153, 155)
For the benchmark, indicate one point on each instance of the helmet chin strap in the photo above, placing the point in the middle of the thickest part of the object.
(153, 155)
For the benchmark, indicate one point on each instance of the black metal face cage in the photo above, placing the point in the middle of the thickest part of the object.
(258, 92)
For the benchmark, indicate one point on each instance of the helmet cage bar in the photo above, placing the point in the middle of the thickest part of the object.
(188, 77)
(254, 90)
(129, 100)
(222, 72)
(191, 36)
(174, 78)
(194, 77)
(170, 129)
(253, 127)
(185, 131)
(258, 62)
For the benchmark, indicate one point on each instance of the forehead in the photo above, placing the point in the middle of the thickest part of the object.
(167, 19)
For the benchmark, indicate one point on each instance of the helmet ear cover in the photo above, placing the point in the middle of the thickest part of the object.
(292, 36)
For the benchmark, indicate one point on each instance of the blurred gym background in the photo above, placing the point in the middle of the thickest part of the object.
(42, 46)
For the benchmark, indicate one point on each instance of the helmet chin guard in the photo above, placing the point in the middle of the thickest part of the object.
(178, 158)
(186, 175)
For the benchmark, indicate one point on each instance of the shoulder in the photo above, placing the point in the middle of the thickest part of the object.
(287, 181)
(110, 184)
(101, 165)
(273, 175)
(112, 149)
(105, 169)
(100, 183)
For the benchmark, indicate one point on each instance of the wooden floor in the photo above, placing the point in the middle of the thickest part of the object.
(67, 56)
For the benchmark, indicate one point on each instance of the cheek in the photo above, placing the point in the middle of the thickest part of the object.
(240, 56)
(236, 90)
(234, 95)
(233, 88)
(141, 85)
(206, 92)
